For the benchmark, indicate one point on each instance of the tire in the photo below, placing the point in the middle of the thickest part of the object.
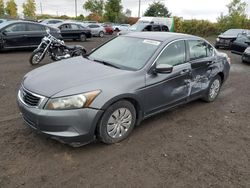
(35, 55)
(83, 53)
(117, 122)
(101, 34)
(83, 38)
(213, 89)
(80, 52)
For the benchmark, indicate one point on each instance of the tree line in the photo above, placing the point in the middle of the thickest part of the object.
(10, 9)
(112, 11)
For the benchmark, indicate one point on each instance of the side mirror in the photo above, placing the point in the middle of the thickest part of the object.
(247, 42)
(164, 69)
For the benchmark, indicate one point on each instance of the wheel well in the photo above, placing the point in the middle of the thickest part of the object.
(137, 106)
(138, 109)
(221, 74)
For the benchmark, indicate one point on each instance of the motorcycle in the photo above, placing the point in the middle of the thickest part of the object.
(56, 49)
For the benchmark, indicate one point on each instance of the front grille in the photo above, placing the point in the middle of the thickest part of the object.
(29, 98)
(225, 41)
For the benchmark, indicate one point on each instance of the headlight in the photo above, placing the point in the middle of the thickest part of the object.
(72, 102)
(217, 39)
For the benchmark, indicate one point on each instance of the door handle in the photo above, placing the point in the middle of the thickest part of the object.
(25, 35)
(210, 63)
(185, 71)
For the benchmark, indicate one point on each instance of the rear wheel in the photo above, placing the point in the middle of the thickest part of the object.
(36, 57)
(213, 89)
(117, 122)
(83, 38)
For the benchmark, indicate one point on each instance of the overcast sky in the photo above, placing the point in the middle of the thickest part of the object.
(188, 9)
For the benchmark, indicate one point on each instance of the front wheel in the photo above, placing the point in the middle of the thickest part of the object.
(117, 122)
(213, 89)
(80, 52)
(36, 57)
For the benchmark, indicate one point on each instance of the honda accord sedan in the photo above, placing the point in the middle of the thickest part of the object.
(124, 81)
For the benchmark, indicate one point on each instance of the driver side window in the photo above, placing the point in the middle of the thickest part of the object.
(173, 55)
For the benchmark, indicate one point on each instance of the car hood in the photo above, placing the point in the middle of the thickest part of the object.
(66, 74)
(227, 36)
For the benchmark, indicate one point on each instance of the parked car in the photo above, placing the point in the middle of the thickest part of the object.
(115, 26)
(108, 29)
(116, 86)
(74, 31)
(226, 39)
(122, 27)
(240, 44)
(51, 21)
(2, 20)
(246, 56)
(23, 34)
(97, 30)
(142, 27)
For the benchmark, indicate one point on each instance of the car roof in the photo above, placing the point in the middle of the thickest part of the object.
(161, 36)
(4, 24)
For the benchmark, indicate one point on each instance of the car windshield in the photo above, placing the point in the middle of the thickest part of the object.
(3, 24)
(126, 52)
(233, 32)
(137, 27)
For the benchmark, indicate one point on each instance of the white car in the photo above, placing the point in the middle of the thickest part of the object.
(97, 30)
(51, 21)
(123, 27)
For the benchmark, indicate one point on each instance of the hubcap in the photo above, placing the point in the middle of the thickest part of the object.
(119, 123)
(214, 90)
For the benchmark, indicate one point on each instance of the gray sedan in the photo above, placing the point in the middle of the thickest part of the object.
(119, 84)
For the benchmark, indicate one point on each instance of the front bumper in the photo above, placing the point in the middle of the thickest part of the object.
(225, 43)
(246, 57)
(73, 127)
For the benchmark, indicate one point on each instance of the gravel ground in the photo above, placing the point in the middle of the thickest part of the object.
(195, 145)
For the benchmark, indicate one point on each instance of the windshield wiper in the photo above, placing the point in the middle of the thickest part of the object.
(106, 63)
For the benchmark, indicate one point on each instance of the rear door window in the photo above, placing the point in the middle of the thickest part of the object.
(93, 26)
(74, 27)
(65, 27)
(35, 27)
(199, 49)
